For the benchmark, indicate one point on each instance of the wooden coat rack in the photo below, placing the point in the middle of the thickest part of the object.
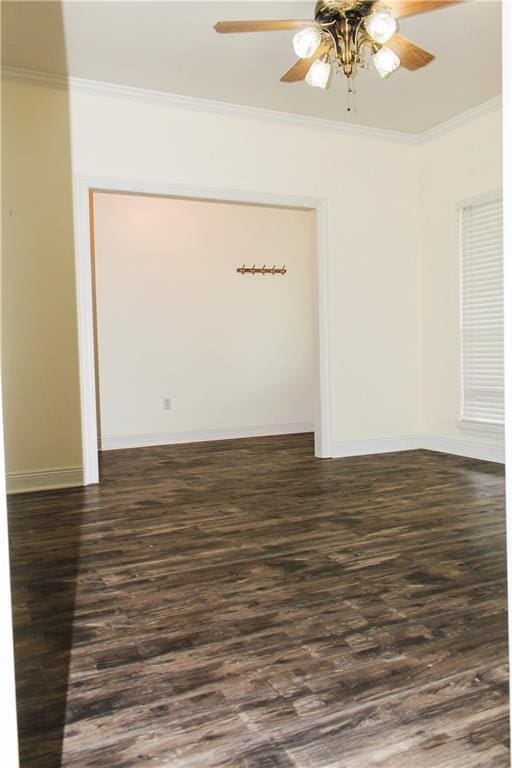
(264, 270)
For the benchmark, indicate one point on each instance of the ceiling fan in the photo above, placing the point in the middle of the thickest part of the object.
(345, 35)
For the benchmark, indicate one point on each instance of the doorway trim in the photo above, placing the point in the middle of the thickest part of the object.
(83, 187)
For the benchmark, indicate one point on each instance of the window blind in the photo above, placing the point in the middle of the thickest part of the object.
(481, 240)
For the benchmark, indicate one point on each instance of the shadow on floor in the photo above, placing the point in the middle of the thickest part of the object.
(45, 552)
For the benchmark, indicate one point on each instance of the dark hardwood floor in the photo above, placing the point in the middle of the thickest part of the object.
(243, 605)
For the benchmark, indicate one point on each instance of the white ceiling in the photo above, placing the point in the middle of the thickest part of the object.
(171, 46)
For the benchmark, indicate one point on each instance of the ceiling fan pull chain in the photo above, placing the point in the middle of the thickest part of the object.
(351, 105)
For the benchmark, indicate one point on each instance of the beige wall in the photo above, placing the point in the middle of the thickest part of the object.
(175, 319)
(455, 166)
(39, 338)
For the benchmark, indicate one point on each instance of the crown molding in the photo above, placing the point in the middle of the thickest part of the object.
(96, 87)
(464, 117)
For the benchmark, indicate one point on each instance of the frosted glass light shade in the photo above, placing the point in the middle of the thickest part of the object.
(381, 25)
(306, 42)
(386, 61)
(319, 74)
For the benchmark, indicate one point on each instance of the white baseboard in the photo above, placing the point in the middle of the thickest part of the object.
(71, 477)
(465, 448)
(175, 438)
(44, 479)
(374, 445)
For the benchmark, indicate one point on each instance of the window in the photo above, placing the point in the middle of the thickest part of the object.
(481, 241)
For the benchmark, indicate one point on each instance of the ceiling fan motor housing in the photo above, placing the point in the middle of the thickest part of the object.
(327, 11)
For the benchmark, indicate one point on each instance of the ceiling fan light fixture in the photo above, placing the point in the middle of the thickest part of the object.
(381, 25)
(319, 74)
(344, 35)
(386, 61)
(306, 42)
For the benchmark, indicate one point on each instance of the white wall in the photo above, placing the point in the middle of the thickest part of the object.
(234, 353)
(373, 252)
(372, 273)
(391, 230)
(507, 203)
(456, 165)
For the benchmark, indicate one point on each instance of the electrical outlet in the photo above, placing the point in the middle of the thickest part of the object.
(167, 403)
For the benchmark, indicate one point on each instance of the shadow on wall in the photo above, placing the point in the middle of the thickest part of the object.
(40, 380)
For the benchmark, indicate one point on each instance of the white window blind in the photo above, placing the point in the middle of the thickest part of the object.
(481, 236)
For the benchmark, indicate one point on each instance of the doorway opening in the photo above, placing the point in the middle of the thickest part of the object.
(177, 343)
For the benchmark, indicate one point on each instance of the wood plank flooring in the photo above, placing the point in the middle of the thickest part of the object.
(242, 604)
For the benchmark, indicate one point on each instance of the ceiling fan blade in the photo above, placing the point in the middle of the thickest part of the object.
(402, 8)
(411, 56)
(261, 26)
(299, 70)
